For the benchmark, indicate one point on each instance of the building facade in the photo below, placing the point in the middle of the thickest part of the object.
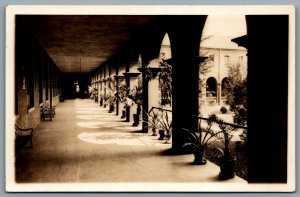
(221, 54)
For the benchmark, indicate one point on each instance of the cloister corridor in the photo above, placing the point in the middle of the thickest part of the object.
(86, 144)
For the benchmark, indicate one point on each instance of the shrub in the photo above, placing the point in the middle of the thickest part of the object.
(223, 109)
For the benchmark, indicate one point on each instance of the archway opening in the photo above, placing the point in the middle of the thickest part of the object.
(211, 87)
(224, 86)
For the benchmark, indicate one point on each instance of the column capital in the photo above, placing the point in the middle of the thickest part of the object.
(117, 77)
(131, 74)
(153, 70)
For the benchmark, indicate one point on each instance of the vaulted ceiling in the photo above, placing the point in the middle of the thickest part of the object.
(80, 43)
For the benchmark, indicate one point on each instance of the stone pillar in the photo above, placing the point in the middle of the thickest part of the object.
(185, 97)
(104, 92)
(118, 79)
(219, 95)
(150, 94)
(267, 41)
(185, 35)
(131, 80)
(98, 86)
(100, 92)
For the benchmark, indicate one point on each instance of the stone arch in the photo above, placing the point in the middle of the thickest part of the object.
(211, 87)
(165, 49)
(224, 86)
(151, 44)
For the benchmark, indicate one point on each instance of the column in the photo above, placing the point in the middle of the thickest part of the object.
(131, 78)
(185, 97)
(101, 92)
(267, 159)
(219, 95)
(185, 35)
(118, 79)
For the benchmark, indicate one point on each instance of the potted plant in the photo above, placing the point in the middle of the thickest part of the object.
(101, 99)
(121, 96)
(153, 121)
(95, 93)
(165, 126)
(199, 138)
(111, 101)
(136, 97)
(226, 160)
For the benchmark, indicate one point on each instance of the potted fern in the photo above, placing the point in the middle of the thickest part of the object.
(121, 96)
(165, 126)
(199, 138)
(153, 121)
(226, 160)
(111, 100)
(136, 97)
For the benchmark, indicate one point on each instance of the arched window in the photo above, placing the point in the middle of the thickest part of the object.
(211, 87)
(224, 85)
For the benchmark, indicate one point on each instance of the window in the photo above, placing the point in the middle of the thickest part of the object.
(226, 60)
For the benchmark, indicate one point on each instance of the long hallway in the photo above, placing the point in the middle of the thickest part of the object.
(86, 144)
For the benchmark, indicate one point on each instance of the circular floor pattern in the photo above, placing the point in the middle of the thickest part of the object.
(120, 139)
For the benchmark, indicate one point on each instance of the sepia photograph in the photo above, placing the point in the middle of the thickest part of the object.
(150, 98)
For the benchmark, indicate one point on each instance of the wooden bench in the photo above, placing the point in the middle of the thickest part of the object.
(47, 113)
(23, 137)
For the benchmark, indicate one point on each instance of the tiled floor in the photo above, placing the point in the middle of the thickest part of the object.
(86, 144)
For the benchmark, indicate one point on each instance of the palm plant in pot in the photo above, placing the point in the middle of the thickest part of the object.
(101, 99)
(121, 96)
(199, 138)
(111, 97)
(95, 94)
(136, 96)
(226, 160)
(111, 102)
(165, 126)
(153, 121)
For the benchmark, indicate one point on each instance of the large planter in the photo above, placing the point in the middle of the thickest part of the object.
(227, 167)
(136, 120)
(111, 108)
(123, 114)
(161, 134)
(167, 137)
(199, 156)
(154, 132)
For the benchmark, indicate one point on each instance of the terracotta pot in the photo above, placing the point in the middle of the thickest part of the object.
(227, 167)
(123, 114)
(161, 134)
(199, 156)
(154, 132)
(111, 108)
(136, 120)
(167, 137)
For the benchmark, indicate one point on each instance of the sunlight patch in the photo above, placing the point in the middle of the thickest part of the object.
(110, 138)
(121, 139)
